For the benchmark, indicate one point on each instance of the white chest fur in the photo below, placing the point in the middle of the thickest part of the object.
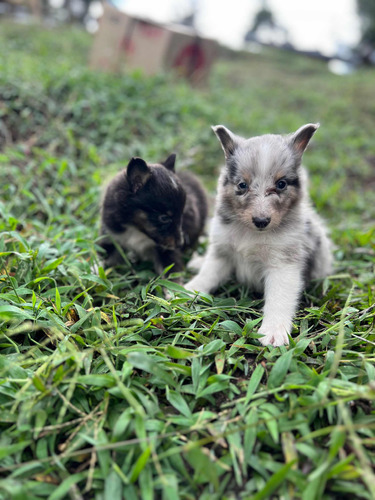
(251, 254)
(135, 242)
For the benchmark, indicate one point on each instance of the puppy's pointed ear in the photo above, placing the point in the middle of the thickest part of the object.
(138, 173)
(300, 139)
(170, 162)
(228, 140)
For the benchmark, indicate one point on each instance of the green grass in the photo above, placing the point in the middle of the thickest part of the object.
(108, 390)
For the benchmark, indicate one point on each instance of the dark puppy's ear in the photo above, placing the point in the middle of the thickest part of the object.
(138, 174)
(300, 139)
(228, 140)
(169, 162)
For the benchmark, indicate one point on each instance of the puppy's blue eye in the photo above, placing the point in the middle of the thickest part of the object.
(164, 219)
(281, 185)
(242, 186)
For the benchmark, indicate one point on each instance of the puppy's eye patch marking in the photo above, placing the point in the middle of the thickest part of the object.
(293, 181)
(282, 183)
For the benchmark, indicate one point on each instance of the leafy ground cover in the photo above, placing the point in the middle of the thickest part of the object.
(108, 390)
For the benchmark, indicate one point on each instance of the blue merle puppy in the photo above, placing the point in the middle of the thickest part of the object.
(265, 232)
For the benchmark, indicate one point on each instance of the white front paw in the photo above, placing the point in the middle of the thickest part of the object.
(273, 335)
(195, 263)
(195, 285)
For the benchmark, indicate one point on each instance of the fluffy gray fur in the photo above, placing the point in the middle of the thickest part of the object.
(265, 232)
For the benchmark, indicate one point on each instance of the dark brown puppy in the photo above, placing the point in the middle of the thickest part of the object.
(153, 213)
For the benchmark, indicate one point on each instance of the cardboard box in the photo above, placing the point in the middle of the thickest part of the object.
(106, 51)
(123, 40)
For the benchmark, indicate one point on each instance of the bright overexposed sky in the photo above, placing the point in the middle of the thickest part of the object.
(323, 25)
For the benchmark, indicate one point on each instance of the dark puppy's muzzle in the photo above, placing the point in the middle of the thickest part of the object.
(261, 222)
(173, 242)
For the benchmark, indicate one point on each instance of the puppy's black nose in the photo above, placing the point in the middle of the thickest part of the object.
(261, 222)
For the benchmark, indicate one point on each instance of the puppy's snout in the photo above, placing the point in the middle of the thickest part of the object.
(173, 242)
(169, 243)
(261, 222)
